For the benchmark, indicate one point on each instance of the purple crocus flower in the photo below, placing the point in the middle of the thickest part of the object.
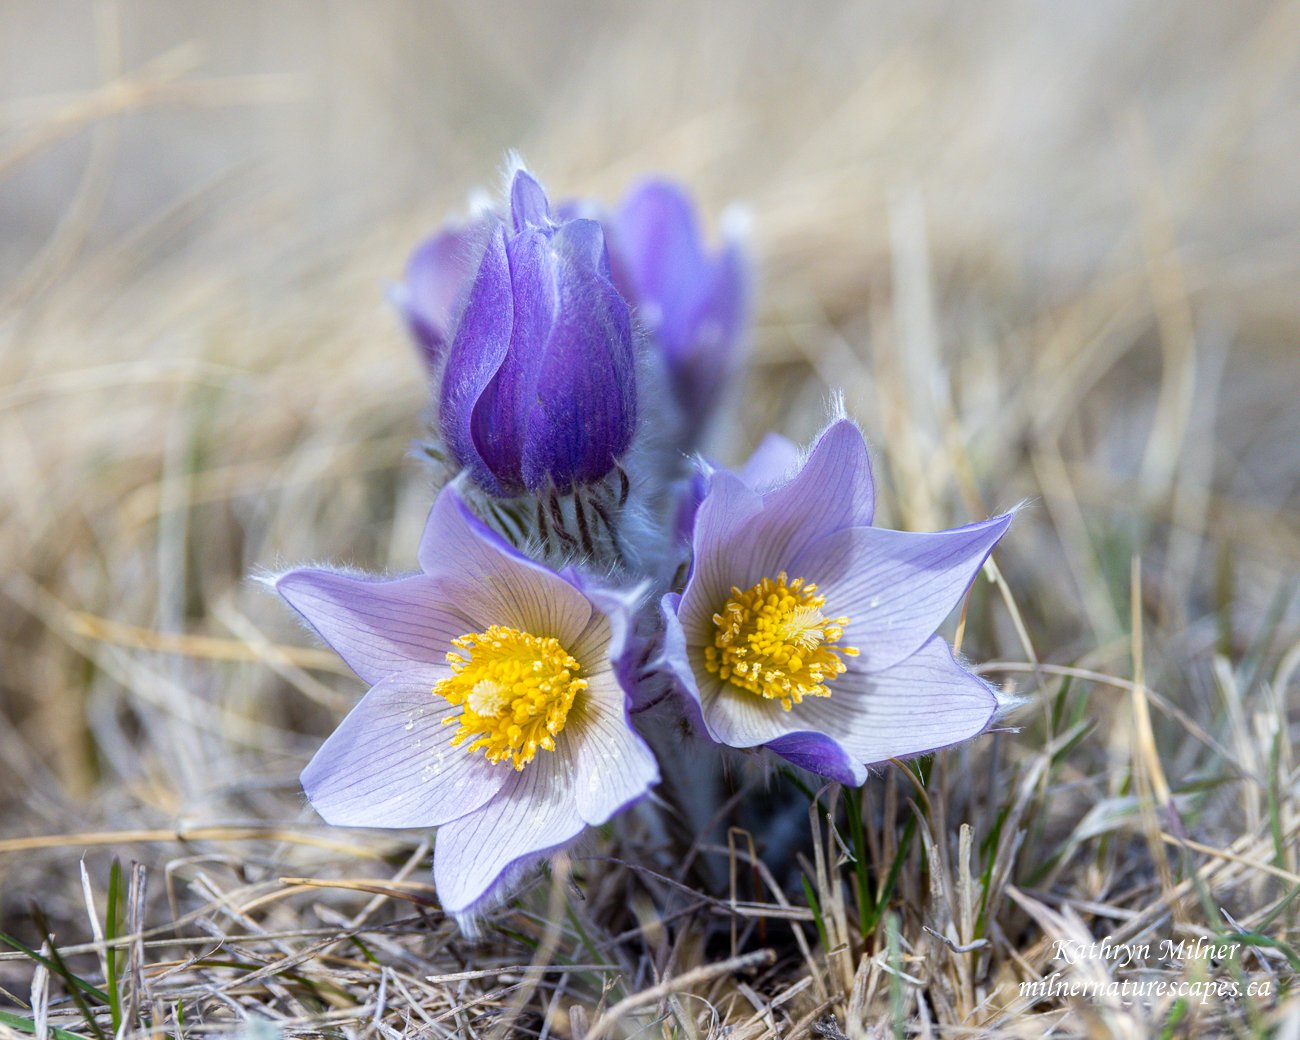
(531, 345)
(694, 302)
(497, 711)
(804, 629)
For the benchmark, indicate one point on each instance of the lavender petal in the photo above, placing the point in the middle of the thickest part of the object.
(895, 587)
(921, 704)
(613, 766)
(534, 812)
(493, 583)
(390, 763)
(378, 627)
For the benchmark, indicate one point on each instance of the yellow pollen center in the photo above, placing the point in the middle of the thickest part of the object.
(773, 640)
(514, 691)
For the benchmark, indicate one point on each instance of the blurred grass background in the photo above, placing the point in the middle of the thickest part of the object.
(1049, 251)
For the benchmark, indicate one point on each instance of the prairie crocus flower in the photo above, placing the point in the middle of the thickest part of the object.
(496, 711)
(531, 344)
(694, 302)
(806, 630)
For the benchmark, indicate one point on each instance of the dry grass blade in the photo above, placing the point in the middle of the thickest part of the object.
(696, 976)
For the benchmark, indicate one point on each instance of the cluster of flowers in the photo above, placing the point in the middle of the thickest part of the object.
(585, 564)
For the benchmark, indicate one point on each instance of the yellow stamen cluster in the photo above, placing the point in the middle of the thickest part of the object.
(514, 691)
(773, 640)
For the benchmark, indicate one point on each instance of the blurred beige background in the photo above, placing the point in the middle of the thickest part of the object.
(1035, 130)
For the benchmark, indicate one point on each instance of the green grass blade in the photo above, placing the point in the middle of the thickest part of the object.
(1256, 939)
(858, 839)
(1277, 911)
(1176, 1014)
(111, 931)
(55, 965)
(27, 1025)
(74, 982)
(816, 909)
(895, 869)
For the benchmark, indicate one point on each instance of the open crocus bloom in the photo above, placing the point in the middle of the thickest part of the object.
(805, 629)
(496, 711)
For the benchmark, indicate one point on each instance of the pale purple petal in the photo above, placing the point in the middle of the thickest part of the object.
(676, 659)
(613, 766)
(610, 633)
(391, 764)
(494, 584)
(687, 493)
(594, 647)
(833, 489)
(921, 704)
(896, 587)
(534, 812)
(727, 507)
(774, 461)
(739, 718)
(620, 632)
(378, 627)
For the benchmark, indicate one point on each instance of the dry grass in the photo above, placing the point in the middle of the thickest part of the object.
(1049, 252)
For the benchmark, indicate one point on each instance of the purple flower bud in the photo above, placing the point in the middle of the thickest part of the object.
(432, 293)
(531, 345)
(695, 303)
